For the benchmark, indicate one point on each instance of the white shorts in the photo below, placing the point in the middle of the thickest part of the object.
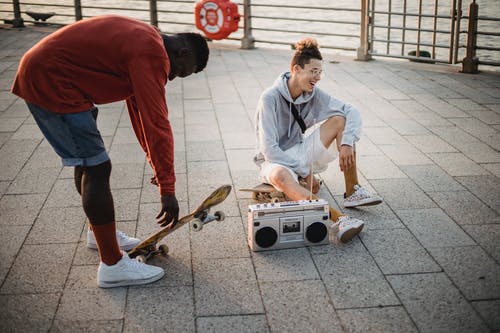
(310, 149)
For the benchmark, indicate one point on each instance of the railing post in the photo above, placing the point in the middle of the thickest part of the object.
(153, 12)
(470, 62)
(247, 42)
(78, 10)
(17, 22)
(364, 44)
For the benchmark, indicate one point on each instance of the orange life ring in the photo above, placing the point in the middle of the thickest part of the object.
(216, 18)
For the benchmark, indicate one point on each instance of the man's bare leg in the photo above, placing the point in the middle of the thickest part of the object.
(283, 181)
(351, 177)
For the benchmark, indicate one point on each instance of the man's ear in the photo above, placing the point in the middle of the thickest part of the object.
(296, 68)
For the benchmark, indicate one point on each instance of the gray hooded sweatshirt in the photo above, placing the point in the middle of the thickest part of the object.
(278, 131)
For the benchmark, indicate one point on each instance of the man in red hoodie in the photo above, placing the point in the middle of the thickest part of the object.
(97, 61)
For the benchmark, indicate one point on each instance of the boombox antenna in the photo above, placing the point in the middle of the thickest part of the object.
(312, 163)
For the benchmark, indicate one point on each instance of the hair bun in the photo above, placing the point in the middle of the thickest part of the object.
(306, 44)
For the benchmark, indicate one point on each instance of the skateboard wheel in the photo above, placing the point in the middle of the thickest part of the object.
(197, 224)
(220, 215)
(141, 258)
(163, 249)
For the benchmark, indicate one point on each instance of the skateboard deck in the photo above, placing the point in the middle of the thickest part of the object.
(264, 193)
(199, 217)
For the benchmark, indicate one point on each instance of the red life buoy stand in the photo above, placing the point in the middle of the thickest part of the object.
(216, 18)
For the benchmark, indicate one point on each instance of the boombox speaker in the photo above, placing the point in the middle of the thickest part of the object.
(288, 224)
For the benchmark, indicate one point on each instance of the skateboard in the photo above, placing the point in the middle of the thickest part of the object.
(268, 193)
(198, 218)
(265, 193)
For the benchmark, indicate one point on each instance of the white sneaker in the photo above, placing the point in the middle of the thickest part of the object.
(125, 242)
(127, 272)
(361, 197)
(347, 228)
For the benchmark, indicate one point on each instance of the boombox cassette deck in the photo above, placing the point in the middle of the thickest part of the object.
(290, 224)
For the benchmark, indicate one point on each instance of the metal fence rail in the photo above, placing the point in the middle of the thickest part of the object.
(433, 32)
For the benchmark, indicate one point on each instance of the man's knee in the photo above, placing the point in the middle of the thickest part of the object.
(330, 129)
(98, 172)
(280, 177)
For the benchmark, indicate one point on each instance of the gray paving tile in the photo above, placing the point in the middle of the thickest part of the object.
(489, 310)
(473, 126)
(452, 135)
(487, 236)
(486, 188)
(494, 168)
(18, 152)
(427, 297)
(109, 326)
(401, 194)
(285, 265)
(457, 164)
(471, 269)
(479, 152)
(126, 153)
(27, 131)
(433, 228)
(20, 209)
(27, 313)
(43, 157)
(299, 306)
(205, 151)
(11, 240)
(431, 178)
(38, 180)
(57, 225)
(128, 175)
(385, 319)
(430, 144)
(92, 304)
(405, 155)
(226, 287)
(378, 167)
(464, 207)
(220, 239)
(64, 194)
(159, 309)
(210, 174)
(228, 324)
(352, 277)
(384, 136)
(28, 275)
(396, 251)
(10, 124)
(126, 203)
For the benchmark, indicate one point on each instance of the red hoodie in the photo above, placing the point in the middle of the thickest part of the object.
(103, 60)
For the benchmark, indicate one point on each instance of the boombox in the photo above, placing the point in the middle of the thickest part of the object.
(289, 224)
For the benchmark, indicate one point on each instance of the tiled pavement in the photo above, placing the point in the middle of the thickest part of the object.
(427, 261)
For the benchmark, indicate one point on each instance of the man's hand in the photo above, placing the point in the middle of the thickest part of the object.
(169, 211)
(315, 183)
(346, 157)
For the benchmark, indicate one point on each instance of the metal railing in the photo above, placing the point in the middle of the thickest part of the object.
(409, 29)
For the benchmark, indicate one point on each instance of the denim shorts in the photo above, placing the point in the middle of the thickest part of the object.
(74, 136)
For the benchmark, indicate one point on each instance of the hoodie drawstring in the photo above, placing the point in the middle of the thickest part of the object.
(290, 117)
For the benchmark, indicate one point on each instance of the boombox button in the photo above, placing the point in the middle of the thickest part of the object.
(256, 224)
(325, 217)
